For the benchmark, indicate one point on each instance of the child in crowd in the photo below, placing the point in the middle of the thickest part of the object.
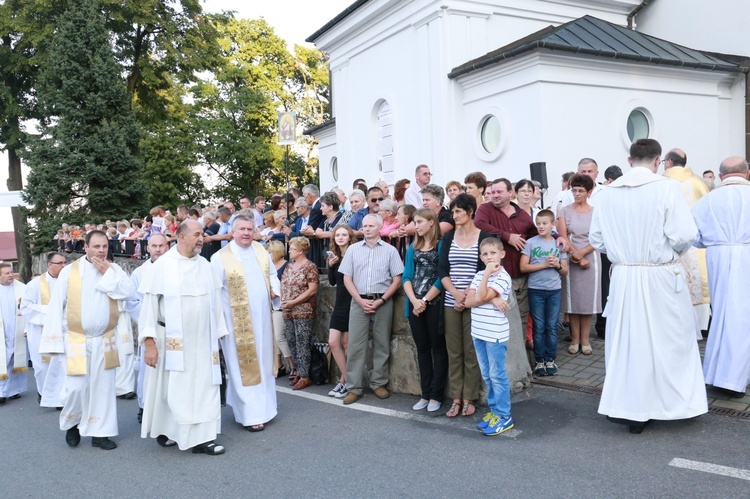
(544, 263)
(487, 298)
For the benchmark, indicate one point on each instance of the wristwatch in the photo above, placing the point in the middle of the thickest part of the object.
(426, 301)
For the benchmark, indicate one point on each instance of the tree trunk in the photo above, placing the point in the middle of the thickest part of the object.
(15, 183)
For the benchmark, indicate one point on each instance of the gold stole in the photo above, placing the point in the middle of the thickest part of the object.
(244, 335)
(77, 338)
(44, 299)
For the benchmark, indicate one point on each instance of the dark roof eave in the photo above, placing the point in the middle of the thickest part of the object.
(333, 22)
(318, 128)
(498, 58)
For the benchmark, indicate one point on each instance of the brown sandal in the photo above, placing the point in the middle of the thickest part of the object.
(468, 412)
(454, 410)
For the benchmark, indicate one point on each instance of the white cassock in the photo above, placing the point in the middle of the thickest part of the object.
(13, 339)
(723, 220)
(34, 311)
(133, 308)
(125, 373)
(255, 404)
(88, 400)
(653, 368)
(182, 401)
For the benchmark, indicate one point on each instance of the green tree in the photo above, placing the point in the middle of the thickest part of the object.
(236, 110)
(84, 163)
(25, 29)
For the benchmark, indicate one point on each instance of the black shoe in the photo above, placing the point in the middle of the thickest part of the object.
(165, 441)
(635, 430)
(73, 437)
(140, 415)
(15, 397)
(103, 443)
(3, 400)
(39, 398)
(127, 396)
(732, 393)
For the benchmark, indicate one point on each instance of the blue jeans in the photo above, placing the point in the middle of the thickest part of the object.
(544, 307)
(491, 357)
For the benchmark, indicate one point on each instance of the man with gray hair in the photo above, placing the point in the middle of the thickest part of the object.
(311, 193)
(721, 217)
(249, 285)
(372, 272)
(588, 167)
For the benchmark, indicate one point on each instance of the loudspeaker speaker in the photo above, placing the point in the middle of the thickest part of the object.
(539, 173)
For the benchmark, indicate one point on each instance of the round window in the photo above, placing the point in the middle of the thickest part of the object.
(637, 125)
(490, 134)
(335, 169)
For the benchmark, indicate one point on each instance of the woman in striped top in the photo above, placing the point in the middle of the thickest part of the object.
(459, 263)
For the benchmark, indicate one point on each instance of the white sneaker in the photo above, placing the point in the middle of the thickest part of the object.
(420, 405)
(343, 392)
(434, 406)
(336, 389)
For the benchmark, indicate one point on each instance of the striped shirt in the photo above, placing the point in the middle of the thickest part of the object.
(487, 322)
(372, 268)
(463, 266)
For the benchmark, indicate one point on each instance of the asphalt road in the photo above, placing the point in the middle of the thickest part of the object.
(318, 448)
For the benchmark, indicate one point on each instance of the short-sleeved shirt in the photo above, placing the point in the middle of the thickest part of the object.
(537, 249)
(372, 268)
(487, 322)
(463, 267)
(296, 282)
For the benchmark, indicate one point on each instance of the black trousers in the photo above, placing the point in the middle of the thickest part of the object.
(432, 356)
(601, 322)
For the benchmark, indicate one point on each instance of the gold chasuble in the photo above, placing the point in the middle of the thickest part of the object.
(242, 321)
(76, 336)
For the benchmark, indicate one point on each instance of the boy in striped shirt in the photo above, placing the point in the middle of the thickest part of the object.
(487, 298)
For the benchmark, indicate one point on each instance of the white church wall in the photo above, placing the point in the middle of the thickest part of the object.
(719, 26)
(559, 110)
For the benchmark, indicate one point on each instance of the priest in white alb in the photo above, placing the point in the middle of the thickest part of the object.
(81, 323)
(248, 286)
(180, 326)
(34, 309)
(157, 246)
(652, 363)
(13, 367)
(723, 220)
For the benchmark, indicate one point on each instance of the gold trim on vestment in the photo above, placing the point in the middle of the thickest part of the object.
(242, 322)
(44, 289)
(76, 337)
(174, 344)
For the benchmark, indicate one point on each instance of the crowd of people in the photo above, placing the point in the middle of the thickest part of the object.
(228, 297)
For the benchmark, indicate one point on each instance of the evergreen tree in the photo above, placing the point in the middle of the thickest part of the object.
(84, 164)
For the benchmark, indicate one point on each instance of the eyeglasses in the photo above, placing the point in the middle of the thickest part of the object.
(56, 263)
(376, 200)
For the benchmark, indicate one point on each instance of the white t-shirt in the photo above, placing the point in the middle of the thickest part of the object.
(487, 322)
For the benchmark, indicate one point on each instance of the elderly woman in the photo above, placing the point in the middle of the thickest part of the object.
(299, 285)
(329, 207)
(357, 200)
(277, 251)
(459, 263)
(432, 198)
(582, 286)
(388, 211)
